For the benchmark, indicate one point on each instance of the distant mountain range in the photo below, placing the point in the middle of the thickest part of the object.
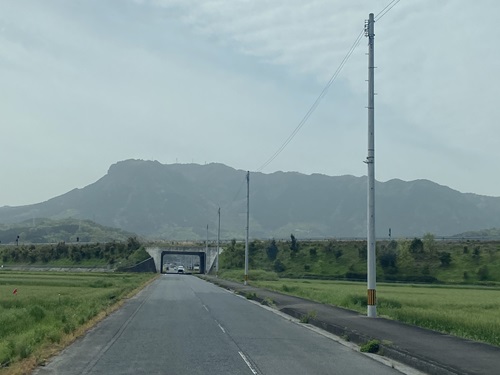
(177, 201)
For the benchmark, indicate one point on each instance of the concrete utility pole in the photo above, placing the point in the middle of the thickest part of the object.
(370, 161)
(206, 252)
(248, 224)
(218, 240)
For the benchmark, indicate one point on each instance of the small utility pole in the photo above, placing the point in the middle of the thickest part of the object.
(370, 161)
(248, 224)
(206, 252)
(218, 240)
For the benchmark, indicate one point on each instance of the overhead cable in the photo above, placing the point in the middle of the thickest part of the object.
(315, 104)
(386, 10)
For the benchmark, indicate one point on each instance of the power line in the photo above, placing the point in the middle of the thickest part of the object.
(386, 10)
(382, 13)
(315, 104)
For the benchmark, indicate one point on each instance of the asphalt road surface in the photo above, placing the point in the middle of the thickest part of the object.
(183, 325)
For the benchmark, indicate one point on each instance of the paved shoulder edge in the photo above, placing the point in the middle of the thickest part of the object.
(302, 307)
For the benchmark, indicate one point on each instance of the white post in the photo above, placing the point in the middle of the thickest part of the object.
(218, 240)
(370, 161)
(248, 220)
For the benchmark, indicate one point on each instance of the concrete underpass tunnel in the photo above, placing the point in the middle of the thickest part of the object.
(200, 254)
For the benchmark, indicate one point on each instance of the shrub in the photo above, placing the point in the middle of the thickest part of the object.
(372, 346)
(445, 258)
(483, 273)
(251, 295)
(308, 317)
(279, 266)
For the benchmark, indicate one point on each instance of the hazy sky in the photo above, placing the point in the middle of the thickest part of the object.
(85, 84)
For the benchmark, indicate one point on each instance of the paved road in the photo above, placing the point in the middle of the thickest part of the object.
(183, 325)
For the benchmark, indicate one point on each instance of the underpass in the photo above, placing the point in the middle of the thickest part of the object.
(206, 256)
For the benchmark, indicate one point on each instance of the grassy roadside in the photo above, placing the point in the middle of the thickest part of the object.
(465, 311)
(50, 310)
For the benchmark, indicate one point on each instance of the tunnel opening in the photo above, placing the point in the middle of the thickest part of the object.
(192, 261)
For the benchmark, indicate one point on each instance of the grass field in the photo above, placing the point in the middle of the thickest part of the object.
(50, 308)
(469, 312)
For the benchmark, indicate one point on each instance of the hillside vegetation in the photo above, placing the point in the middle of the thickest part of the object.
(61, 230)
(423, 260)
(109, 254)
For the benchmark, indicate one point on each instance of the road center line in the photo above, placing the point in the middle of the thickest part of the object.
(248, 363)
(221, 327)
(206, 308)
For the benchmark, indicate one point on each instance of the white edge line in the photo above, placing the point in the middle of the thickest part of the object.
(399, 366)
(248, 363)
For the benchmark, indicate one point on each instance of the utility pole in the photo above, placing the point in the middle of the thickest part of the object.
(370, 161)
(218, 240)
(248, 224)
(206, 252)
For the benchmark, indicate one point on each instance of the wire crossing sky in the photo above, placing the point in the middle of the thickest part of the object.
(311, 110)
(88, 84)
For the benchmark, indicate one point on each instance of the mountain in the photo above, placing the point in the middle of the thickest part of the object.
(177, 201)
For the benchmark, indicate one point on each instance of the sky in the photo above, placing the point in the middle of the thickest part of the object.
(86, 84)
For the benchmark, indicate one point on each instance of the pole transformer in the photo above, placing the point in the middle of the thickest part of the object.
(248, 226)
(370, 161)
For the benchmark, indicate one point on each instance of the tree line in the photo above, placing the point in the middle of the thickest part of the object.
(103, 253)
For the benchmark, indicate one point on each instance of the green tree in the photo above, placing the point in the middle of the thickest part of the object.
(416, 246)
(133, 243)
(483, 273)
(294, 245)
(338, 253)
(279, 266)
(272, 250)
(313, 253)
(445, 258)
(476, 254)
(429, 243)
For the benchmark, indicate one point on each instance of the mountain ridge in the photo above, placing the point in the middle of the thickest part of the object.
(177, 201)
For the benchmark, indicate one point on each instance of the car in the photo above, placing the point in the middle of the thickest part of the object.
(180, 269)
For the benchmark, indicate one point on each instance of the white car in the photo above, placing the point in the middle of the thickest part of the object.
(180, 269)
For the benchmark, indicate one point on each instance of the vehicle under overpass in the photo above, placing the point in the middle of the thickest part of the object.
(207, 258)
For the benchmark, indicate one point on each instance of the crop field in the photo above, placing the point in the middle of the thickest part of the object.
(42, 310)
(467, 311)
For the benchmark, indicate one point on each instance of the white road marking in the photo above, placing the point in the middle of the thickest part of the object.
(401, 367)
(222, 328)
(248, 363)
(206, 308)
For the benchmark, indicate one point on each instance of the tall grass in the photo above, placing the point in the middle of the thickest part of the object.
(48, 306)
(468, 312)
(239, 276)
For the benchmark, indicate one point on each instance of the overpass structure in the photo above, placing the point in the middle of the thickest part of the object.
(207, 258)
